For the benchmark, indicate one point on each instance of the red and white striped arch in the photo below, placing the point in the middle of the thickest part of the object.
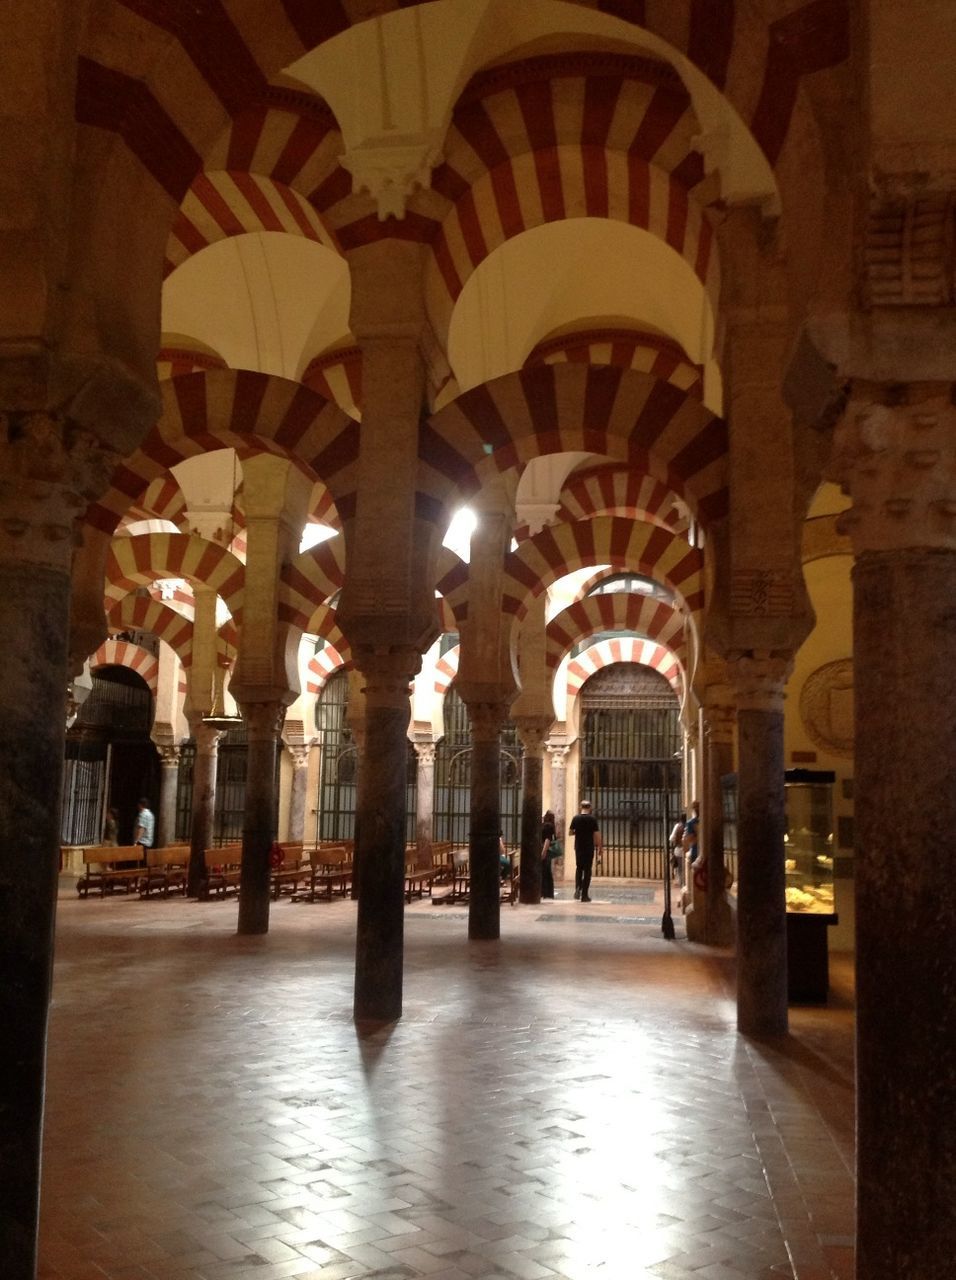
(608, 540)
(120, 653)
(337, 375)
(308, 582)
(645, 352)
(134, 562)
(245, 411)
(619, 611)
(631, 417)
(616, 491)
(163, 500)
(136, 613)
(632, 191)
(174, 361)
(233, 203)
(325, 663)
(607, 652)
(446, 668)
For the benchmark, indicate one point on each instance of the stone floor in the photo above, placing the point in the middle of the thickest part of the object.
(572, 1101)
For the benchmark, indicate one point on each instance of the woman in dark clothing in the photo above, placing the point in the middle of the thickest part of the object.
(547, 838)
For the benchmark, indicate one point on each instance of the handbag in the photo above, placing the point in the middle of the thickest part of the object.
(555, 849)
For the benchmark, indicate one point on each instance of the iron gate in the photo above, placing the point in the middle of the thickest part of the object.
(230, 807)
(453, 778)
(630, 766)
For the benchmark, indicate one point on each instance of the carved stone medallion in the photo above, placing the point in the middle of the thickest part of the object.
(826, 707)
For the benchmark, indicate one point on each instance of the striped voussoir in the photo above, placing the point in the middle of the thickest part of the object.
(628, 349)
(134, 562)
(607, 540)
(121, 653)
(325, 663)
(616, 491)
(632, 417)
(309, 580)
(337, 376)
(137, 614)
(243, 410)
(176, 361)
(656, 620)
(446, 668)
(606, 653)
(163, 500)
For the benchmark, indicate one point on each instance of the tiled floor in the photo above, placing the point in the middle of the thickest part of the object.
(570, 1102)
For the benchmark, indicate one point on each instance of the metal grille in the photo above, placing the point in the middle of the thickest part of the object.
(453, 777)
(630, 768)
(728, 791)
(84, 792)
(120, 702)
(338, 774)
(229, 813)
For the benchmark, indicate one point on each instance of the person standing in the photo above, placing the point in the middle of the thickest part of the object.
(111, 828)
(689, 841)
(549, 851)
(587, 842)
(145, 826)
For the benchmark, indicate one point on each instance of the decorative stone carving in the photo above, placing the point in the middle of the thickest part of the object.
(761, 593)
(720, 723)
(909, 251)
(895, 454)
(391, 172)
(759, 681)
(826, 707)
(425, 751)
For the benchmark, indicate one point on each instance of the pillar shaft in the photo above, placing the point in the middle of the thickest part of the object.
(380, 838)
(761, 824)
(299, 791)
(168, 788)
(532, 731)
(484, 902)
(205, 768)
(425, 801)
(263, 726)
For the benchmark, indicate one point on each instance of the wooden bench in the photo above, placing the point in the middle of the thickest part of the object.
(109, 876)
(222, 870)
(166, 870)
(293, 869)
(330, 872)
(419, 881)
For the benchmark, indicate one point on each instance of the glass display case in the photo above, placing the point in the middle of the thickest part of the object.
(809, 841)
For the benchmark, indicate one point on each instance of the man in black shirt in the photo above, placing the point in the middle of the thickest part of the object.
(587, 842)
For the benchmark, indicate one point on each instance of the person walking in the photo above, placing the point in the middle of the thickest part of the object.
(587, 842)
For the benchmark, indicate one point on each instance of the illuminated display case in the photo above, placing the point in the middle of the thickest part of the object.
(809, 841)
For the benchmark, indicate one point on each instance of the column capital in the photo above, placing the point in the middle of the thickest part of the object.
(299, 752)
(207, 737)
(388, 675)
(895, 455)
(487, 718)
(533, 732)
(759, 680)
(50, 468)
(424, 750)
(169, 754)
(558, 750)
(263, 720)
(720, 721)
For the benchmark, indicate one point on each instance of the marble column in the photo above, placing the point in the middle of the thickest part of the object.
(720, 720)
(425, 807)
(758, 684)
(205, 768)
(263, 721)
(380, 836)
(297, 798)
(558, 749)
(532, 733)
(896, 456)
(168, 790)
(484, 902)
(48, 471)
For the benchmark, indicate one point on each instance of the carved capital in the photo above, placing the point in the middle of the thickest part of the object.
(299, 752)
(759, 681)
(558, 751)
(263, 720)
(425, 751)
(207, 738)
(487, 719)
(532, 733)
(720, 719)
(391, 172)
(895, 454)
(49, 470)
(387, 675)
(169, 754)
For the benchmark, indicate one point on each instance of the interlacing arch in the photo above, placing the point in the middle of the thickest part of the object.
(309, 581)
(628, 349)
(134, 613)
(120, 653)
(569, 136)
(242, 410)
(631, 417)
(617, 611)
(134, 562)
(163, 500)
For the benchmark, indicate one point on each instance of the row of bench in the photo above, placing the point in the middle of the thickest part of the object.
(320, 873)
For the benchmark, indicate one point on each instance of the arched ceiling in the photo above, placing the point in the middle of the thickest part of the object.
(264, 301)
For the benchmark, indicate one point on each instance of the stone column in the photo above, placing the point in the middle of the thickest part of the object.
(49, 469)
(558, 749)
(484, 902)
(720, 720)
(425, 809)
(896, 456)
(168, 790)
(380, 835)
(263, 721)
(205, 767)
(758, 683)
(532, 733)
(300, 779)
